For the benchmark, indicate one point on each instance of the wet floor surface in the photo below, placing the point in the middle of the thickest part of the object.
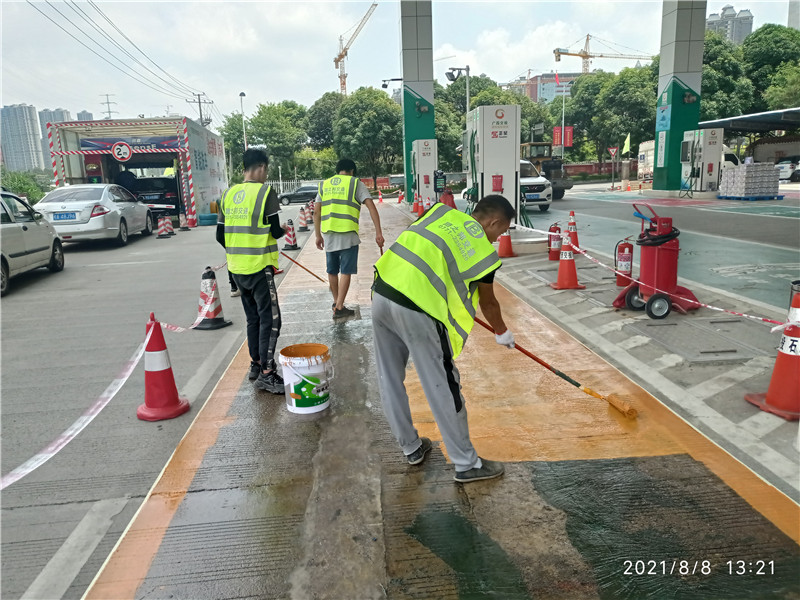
(258, 502)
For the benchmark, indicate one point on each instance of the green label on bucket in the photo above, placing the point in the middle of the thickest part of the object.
(310, 395)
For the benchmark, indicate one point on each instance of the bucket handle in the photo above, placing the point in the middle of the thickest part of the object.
(328, 374)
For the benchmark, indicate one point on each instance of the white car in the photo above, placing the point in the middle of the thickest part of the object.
(789, 168)
(96, 211)
(28, 241)
(534, 190)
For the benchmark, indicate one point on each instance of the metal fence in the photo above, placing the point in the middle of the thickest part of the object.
(289, 185)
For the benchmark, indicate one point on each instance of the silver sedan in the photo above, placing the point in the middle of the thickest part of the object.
(95, 211)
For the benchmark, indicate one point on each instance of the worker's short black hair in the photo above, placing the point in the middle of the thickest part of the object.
(254, 157)
(494, 205)
(346, 164)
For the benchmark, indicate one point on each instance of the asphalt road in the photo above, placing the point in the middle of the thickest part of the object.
(66, 336)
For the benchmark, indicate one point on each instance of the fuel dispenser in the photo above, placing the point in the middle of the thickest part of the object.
(491, 153)
(701, 159)
(657, 291)
(424, 162)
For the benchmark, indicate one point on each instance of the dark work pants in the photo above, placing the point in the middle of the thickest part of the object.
(260, 301)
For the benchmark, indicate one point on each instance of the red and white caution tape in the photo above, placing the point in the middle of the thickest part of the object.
(566, 240)
(98, 405)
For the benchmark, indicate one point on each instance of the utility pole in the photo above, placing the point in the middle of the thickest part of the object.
(166, 114)
(200, 103)
(108, 103)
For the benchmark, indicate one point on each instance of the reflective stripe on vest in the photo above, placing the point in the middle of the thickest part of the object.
(248, 243)
(437, 264)
(340, 209)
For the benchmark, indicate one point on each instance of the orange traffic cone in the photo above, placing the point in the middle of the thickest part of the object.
(209, 294)
(302, 222)
(401, 197)
(629, 187)
(567, 273)
(161, 400)
(505, 250)
(380, 196)
(163, 232)
(572, 230)
(783, 394)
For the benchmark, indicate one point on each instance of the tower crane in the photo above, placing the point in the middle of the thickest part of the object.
(343, 48)
(585, 54)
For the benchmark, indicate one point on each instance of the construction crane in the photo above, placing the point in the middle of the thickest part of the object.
(343, 48)
(586, 55)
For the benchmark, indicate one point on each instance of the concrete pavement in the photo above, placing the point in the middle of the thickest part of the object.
(257, 502)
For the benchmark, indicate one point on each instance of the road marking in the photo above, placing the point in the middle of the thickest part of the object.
(737, 374)
(615, 326)
(762, 423)
(205, 371)
(667, 361)
(634, 342)
(62, 569)
(118, 264)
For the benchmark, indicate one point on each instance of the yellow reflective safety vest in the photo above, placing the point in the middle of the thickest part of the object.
(340, 209)
(249, 245)
(437, 263)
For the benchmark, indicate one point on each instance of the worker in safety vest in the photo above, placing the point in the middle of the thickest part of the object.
(427, 287)
(336, 215)
(248, 226)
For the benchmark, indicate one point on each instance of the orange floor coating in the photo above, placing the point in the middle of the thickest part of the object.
(518, 411)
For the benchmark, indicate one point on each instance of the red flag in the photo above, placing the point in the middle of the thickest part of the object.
(557, 82)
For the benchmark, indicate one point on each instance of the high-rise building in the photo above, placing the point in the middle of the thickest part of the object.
(730, 24)
(21, 138)
(543, 88)
(85, 115)
(793, 18)
(50, 116)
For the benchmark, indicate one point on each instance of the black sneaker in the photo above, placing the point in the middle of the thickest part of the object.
(271, 382)
(341, 313)
(255, 370)
(489, 470)
(418, 455)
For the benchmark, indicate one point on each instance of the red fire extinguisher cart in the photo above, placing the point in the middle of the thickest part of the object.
(657, 291)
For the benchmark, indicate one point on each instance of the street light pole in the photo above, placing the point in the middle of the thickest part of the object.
(244, 131)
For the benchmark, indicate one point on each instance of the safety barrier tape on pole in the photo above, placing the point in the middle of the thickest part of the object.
(98, 405)
(566, 240)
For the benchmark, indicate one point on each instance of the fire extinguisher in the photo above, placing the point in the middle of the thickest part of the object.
(623, 261)
(554, 242)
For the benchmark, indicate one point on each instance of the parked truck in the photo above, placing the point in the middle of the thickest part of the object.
(130, 152)
(541, 155)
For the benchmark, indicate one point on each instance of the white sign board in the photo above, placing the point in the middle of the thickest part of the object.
(662, 148)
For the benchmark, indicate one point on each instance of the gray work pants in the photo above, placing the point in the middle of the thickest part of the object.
(398, 333)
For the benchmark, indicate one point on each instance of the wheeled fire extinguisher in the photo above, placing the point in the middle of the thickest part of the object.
(554, 242)
(623, 261)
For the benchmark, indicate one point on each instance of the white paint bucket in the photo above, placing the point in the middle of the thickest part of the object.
(307, 372)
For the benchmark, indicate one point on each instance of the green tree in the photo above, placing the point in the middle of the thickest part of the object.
(22, 184)
(765, 50)
(368, 129)
(725, 91)
(784, 91)
(315, 164)
(320, 118)
(585, 105)
(281, 128)
(456, 92)
(231, 131)
(448, 134)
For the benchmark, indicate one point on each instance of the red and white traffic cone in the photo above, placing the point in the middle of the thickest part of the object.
(380, 197)
(170, 230)
(567, 273)
(505, 249)
(161, 399)
(400, 198)
(289, 237)
(209, 295)
(302, 224)
(183, 224)
(415, 205)
(783, 394)
(163, 232)
(572, 230)
(310, 212)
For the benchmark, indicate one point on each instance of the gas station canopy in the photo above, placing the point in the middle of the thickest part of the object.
(774, 120)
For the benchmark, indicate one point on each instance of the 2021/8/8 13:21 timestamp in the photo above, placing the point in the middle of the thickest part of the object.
(751, 567)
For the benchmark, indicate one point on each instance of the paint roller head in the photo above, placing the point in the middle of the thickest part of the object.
(622, 406)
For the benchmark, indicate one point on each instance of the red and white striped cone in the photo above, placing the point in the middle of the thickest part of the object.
(380, 197)
(161, 399)
(289, 237)
(163, 232)
(170, 230)
(209, 294)
(567, 273)
(572, 230)
(401, 197)
(310, 212)
(183, 223)
(302, 224)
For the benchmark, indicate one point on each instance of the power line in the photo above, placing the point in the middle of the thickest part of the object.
(98, 54)
(190, 89)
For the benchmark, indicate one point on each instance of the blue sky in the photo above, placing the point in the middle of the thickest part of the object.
(284, 50)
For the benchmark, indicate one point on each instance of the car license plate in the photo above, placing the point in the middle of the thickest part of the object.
(64, 216)
(150, 196)
(531, 196)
